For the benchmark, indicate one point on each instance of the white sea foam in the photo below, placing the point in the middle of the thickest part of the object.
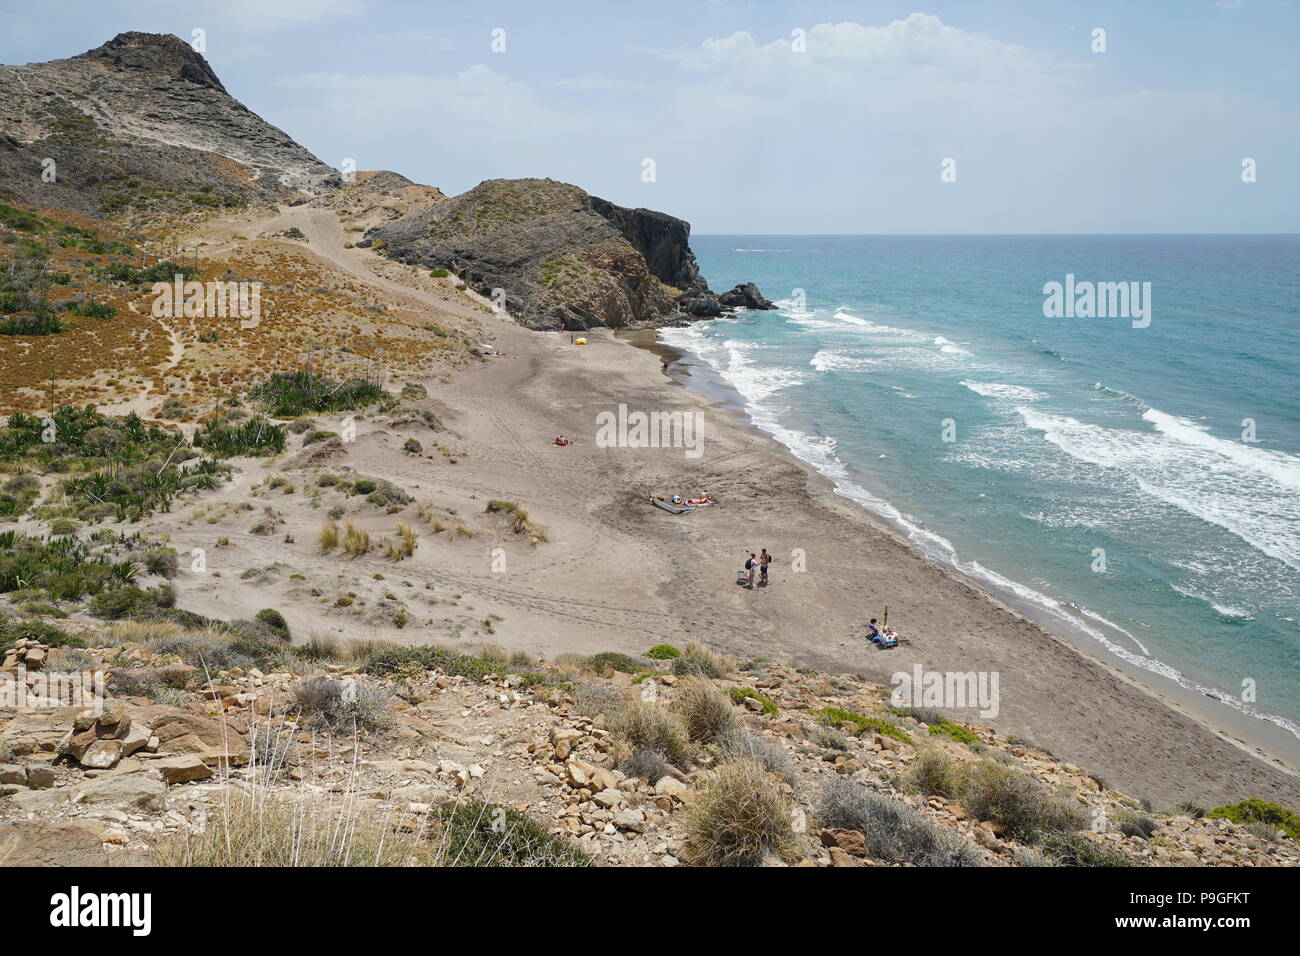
(1253, 493)
(949, 347)
(840, 360)
(1090, 443)
(999, 390)
(1227, 610)
(869, 327)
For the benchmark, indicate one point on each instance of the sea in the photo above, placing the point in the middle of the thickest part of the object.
(1128, 477)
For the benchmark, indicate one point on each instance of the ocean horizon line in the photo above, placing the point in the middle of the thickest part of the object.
(983, 235)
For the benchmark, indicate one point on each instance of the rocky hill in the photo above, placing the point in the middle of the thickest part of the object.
(427, 755)
(561, 257)
(141, 129)
(139, 120)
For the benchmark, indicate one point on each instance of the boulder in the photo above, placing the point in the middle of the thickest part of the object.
(74, 843)
(745, 296)
(182, 769)
(40, 731)
(137, 738)
(579, 773)
(631, 819)
(213, 740)
(123, 790)
(35, 801)
(851, 842)
(40, 778)
(101, 754)
(840, 857)
(670, 786)
(700, 306)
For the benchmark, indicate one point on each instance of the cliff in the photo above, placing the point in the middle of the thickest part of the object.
(560, 257)
(135, 122)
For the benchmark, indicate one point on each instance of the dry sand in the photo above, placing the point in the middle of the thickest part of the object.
(618, 574)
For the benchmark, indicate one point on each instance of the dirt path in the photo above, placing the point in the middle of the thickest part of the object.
(618, 574)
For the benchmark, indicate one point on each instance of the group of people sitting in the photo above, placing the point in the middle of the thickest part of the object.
(884, 635)
(562, 441)
(755, 565)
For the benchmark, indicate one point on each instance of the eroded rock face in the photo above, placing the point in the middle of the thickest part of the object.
(560, 257)
(147, 108)
(745, 296)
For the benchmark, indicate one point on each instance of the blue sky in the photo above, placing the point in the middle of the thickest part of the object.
(749, 135)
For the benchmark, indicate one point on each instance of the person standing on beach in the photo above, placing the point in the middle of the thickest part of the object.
(764, 560)
(749, 569)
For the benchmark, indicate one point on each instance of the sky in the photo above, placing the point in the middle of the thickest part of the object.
(775, 117)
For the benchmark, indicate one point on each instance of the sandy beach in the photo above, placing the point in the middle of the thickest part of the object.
(619, 574)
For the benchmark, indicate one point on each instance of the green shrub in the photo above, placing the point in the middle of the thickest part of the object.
(1075, 849)
(274, 620)
(120, 602)
(294, 394)
(995, 792)
(1254, 810)
(697, 661)
(663, 652)
(93, 310)
(256, 436)
(47, 324)
(611, 660)
(954, 731)
(740, 694)
(860, 723)
(935, 773)
(481, 834)
(11, 631)
(389, 659)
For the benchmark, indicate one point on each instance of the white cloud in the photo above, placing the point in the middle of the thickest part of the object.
(749, 136)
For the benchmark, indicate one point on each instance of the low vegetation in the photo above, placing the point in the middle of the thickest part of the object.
(294, 394)
(893, 830)
(739, 819)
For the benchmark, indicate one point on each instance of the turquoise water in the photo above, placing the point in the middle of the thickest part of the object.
(1099, 476)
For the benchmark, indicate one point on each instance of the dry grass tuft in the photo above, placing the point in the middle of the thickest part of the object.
(329, 537)
(355, 541)
(740, 818)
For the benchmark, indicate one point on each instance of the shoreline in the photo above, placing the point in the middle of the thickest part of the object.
(616, 574)
(1262, 739)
